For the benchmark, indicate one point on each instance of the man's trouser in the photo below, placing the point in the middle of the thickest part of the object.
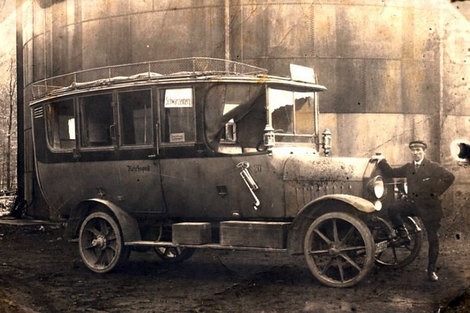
(430, 219)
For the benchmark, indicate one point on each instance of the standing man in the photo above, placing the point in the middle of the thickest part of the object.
(426, 181)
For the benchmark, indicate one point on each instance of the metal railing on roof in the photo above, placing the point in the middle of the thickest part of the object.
(107, 75)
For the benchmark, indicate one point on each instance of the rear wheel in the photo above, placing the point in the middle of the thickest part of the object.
(391, 251)
(174, 254)
(339, 249)
(101, 244)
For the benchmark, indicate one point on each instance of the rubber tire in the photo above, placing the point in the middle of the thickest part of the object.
(360, 229)
(113, 254)
(386, 230)
(178, 255)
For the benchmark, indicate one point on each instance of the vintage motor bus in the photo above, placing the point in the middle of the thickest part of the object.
(201, 153)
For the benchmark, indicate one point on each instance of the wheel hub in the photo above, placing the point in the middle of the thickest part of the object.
(99, 242)
(333, 250)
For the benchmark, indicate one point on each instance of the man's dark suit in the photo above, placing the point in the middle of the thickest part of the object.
(425, 185)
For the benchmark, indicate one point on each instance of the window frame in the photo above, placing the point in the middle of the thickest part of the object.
(51, 147)
(294, 132)
(162, 120)
(79, 115)
(120, 122)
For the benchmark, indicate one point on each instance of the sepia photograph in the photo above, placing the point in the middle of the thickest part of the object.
(262, 156)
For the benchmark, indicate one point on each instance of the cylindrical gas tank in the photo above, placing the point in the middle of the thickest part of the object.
(396, 63)
(376, 58)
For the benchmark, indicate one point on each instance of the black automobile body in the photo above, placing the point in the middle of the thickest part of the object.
(218, 156)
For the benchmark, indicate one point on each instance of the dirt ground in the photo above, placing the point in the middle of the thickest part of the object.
(41, 272)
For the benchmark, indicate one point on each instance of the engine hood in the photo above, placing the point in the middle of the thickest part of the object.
(316, 168)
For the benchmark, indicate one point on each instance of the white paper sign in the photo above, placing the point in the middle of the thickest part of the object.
(179, 98)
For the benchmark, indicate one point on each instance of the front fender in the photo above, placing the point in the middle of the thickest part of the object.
(319, 206)
(358, 203)
(129, 226)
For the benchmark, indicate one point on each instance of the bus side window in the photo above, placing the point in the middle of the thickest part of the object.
(60, 124)
(178, 124)
(135, 117)
(96, 120)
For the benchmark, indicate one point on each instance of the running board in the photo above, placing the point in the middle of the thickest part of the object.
(203, 246)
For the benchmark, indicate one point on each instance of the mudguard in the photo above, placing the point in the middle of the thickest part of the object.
(359, 203)
(129, 226)
(321, 205)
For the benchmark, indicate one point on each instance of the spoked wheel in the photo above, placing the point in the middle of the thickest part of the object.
(339, 249)
(100, 243)
(391, 251)
(174, 254)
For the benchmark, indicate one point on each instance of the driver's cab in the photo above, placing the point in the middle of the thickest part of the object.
(250, 118)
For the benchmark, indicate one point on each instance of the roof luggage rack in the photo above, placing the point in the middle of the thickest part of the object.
(113, 74)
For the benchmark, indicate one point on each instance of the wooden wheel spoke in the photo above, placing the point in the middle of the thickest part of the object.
(348, 234)
(322, 236)
(341, 271)
(104, 227)
(350, 261)
(354, 248)
(111, 253)
(327, 266)
(101, 246)
(339, 249)
(319, 251)
(335, 231)
(99, 256)
(89, 246)
(94, 231)
(395, 257)
(111, 237)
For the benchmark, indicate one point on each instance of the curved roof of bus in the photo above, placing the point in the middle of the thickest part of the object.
(220, 71)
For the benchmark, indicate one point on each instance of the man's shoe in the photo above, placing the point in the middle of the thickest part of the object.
(432, 276)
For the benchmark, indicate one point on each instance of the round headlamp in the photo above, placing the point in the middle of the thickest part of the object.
(377, 187)
(378, 205)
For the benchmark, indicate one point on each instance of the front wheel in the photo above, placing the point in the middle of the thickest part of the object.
(339, 249)
(100, 243)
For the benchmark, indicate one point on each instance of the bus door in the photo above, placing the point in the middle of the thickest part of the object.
(115, 160)
(138, 165)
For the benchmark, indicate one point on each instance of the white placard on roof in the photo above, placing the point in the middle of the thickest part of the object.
(302, 73)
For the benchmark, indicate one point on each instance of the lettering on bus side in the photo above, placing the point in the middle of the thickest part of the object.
(138, 168)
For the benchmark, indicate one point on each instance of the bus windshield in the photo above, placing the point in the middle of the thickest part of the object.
(292, 115)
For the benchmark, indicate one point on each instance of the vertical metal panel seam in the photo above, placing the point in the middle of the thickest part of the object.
(227, 29)
(312, 30)
(442, 116)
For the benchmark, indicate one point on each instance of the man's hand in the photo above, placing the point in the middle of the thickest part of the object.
(377, 157)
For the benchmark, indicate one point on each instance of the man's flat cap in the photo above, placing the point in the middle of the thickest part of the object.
(418, 143)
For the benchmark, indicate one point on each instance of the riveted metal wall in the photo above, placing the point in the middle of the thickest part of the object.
(374, 56)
